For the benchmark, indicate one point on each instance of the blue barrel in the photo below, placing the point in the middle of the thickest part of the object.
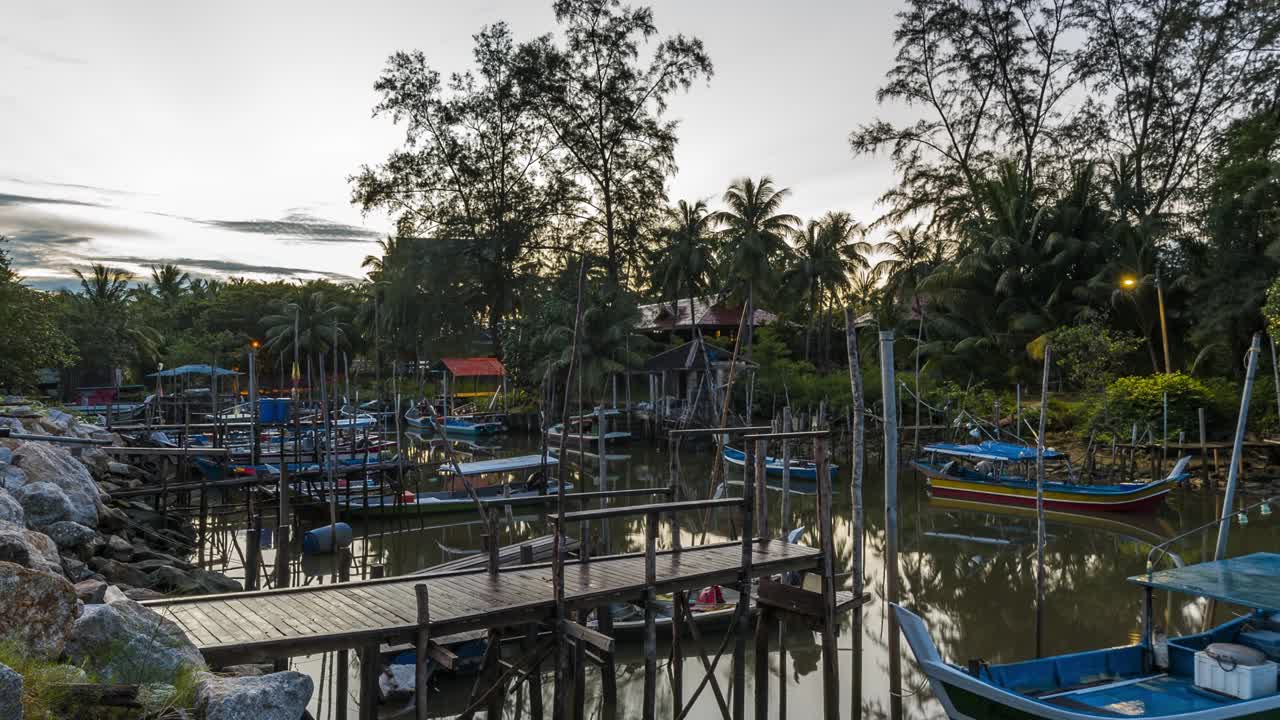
(321, 540)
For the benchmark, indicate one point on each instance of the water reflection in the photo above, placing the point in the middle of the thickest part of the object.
(968, 569)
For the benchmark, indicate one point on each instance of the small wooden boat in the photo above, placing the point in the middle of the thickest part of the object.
(582, 429)
(415, 419)
(988, 472)
(800, 469)
(1183, 677)
(472, 425)
(504, 481)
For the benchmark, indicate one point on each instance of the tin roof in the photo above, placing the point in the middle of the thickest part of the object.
(474, 367)
(1251, 581)
(709, 310)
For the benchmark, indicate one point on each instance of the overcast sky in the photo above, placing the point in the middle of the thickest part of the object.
(221, 135)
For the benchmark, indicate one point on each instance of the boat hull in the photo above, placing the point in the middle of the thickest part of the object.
(773, 467)
(1140, 498)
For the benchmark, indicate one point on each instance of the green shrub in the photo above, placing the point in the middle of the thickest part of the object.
(1139, 399)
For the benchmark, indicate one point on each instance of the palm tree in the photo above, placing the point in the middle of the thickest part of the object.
(684, 266)
(108, 330)
(826, 255)
(104, 286)
(313, 323)
(908, 254)
(754, 232)
(169, 282)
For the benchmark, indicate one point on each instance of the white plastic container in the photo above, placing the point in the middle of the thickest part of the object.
(1239, 681)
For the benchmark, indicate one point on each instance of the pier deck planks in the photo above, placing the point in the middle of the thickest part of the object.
(297, 621)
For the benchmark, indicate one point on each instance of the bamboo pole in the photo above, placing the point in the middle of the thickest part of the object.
(830, 656)
(1040, 539)
(858, 456)
(889, 388)
(786, 471)
(1237, 449)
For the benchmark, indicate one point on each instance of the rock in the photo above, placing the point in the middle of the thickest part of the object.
(91, 592)
(247, 670)
(10, 693)
(119, 548)
(113, 594)
(12, 477)
(278, 696)
(41, 553)
(39, 608)
(119, 468)
(6, 456)
(59, 674)
(156, 697)
(142, 553)
(205, 582)
(68, 535)
(46, 462)
(124, 642)
(118, 572)
(112, 519)
(44, 504)
(168, 578)
(75, 570)
(10, 509)
(141, 594)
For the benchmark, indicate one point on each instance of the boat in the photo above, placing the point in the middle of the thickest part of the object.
(989, 472)
(800, 469)
(472, 425)
(1205, 676)
(504, 481)
(415, 419)
(586, 433)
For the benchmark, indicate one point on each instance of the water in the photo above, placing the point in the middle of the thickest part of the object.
(969, 571)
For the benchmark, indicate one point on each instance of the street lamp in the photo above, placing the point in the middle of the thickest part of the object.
(1129, 282)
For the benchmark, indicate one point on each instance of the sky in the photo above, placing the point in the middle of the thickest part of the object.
(221, 136)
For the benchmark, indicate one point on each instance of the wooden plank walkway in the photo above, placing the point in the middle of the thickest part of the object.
(255, 626)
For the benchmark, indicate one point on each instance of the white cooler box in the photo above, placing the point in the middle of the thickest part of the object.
(1242, 681)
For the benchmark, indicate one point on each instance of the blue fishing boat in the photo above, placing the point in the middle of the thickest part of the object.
(800, 469)
(1227, 672)
(472, 425)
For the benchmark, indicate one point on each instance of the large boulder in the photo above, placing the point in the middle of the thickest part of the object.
(124, 642)
(278, 696)
(39, 608)
(12, 477)
(68, 535)
(118, 572)
(10, 509)
(28, 548)
(43, 504)
(10, 693)
(46, 462)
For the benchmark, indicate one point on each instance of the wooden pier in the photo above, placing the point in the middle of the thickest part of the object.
(257, 626)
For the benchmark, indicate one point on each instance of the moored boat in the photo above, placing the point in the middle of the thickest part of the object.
(989, 472)
(1228, 672)
(800, 469)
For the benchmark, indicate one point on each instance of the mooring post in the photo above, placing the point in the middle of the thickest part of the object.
(889, 388)
(530, 644)
(650, 614)
(858, 456)
(1237, 450)
(762, 488)
(764, 620)
(830, 657)
(342, 665)
(742, 619)
(370, 668)
(494, 543)
(1040, 536)
(786, 472)
(1204, 451)
(253, 552)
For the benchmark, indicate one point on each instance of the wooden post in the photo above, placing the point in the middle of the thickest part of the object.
(253, 552)
(494, 543)
(680, 599)
(370, 668)
(764, 620)
(762, 488)
(1017, 392)
(1204, 452)
(1237, 450)
(530, 644)
(786, 472)
(830, 658)
(342, 663)
(650, 614)
(858, 456)
(889, 388)
(742, 619)
(1040, 538)
(421, 673)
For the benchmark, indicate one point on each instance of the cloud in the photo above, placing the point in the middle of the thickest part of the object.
(38, 53)
(40, 248)
(7, 199)
(224, 267)
(300, 227)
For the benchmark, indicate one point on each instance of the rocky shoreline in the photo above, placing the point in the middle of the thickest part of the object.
(74, 562)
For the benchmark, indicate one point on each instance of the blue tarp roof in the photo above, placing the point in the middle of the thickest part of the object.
(1251, 581)
(194, 370)
(990, 450)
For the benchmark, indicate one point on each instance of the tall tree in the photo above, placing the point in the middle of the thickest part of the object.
(755, 232)
(605, 104)
(472, 170)
(683, 260)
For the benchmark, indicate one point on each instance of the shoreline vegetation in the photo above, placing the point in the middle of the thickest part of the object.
(1101, 178)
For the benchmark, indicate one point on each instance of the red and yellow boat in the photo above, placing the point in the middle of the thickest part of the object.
(989, 472)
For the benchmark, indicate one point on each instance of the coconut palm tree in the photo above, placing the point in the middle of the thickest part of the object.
(168, 282)
(908, 252)
(104, 286)
(685, 258)
(754, 233)
(312, 322)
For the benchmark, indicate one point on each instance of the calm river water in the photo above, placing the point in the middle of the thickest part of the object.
(970, 571)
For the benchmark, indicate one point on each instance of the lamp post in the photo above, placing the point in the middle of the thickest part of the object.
(253, 400)
(1130, 283)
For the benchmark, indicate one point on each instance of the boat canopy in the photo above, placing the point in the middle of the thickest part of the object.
(501, 465)
(1251, 581)
(194, 370)
(990, 450)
